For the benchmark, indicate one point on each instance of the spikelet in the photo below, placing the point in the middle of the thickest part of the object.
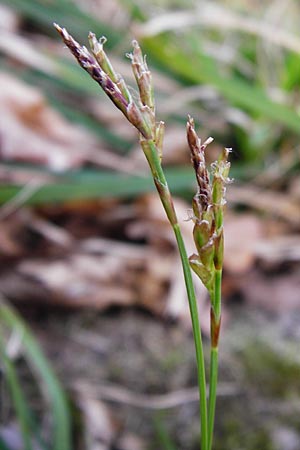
(99, 67)
(208, 207)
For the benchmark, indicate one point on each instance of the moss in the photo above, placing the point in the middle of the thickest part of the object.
(235, 435)
(172, 360)
(274, 374)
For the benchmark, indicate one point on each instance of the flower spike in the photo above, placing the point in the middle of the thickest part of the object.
(100, 69)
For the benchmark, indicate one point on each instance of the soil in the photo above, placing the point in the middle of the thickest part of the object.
(130, 361)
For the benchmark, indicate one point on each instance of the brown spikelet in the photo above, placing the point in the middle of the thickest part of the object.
(142, 75)
(203, 197)
(100, 69)
(90, 64)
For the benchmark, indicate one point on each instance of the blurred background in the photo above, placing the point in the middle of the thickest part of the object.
(95, 337)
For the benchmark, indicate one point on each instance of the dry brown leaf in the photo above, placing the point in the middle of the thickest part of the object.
(295, 188)
(9, 245)
(279, 249)
(98, 273)
(276, 293)
(32, 131)
(69, 269)
(109, 274)
(23, 233)
(276, 204)
(81, 281)
(242, 232)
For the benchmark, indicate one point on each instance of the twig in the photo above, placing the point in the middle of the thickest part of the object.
(171, 400)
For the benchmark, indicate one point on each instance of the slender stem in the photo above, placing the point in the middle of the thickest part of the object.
(218, 294)
(166, 199)
(213, 381)
(197, 335)
(165, 196)
(214, 352)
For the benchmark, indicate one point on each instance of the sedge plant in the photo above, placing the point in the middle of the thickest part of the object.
(208, 203)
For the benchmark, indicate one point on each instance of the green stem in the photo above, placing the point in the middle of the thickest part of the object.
(165, 196)
(213, 381)
(214, 352)
(218, 294)
(197, 335)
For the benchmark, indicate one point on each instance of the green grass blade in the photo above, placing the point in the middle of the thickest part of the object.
(61, 417)
(3, 446)
(18, 399)
(197, 67)
(68, 14)
(163, 437)
(104, 185)
(91, 184)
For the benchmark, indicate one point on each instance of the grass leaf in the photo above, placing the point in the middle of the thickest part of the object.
(19, 401)
(89, 184)
(57, 398)
(69, 15)
(197, 67)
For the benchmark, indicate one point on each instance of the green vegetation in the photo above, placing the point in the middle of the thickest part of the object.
(11, 322)
(247, 98)
(251, 117)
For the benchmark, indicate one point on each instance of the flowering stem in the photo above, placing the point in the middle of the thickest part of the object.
(197, 335)
(141, 115)
(214, 351)
(213, 380)
(165, 196)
